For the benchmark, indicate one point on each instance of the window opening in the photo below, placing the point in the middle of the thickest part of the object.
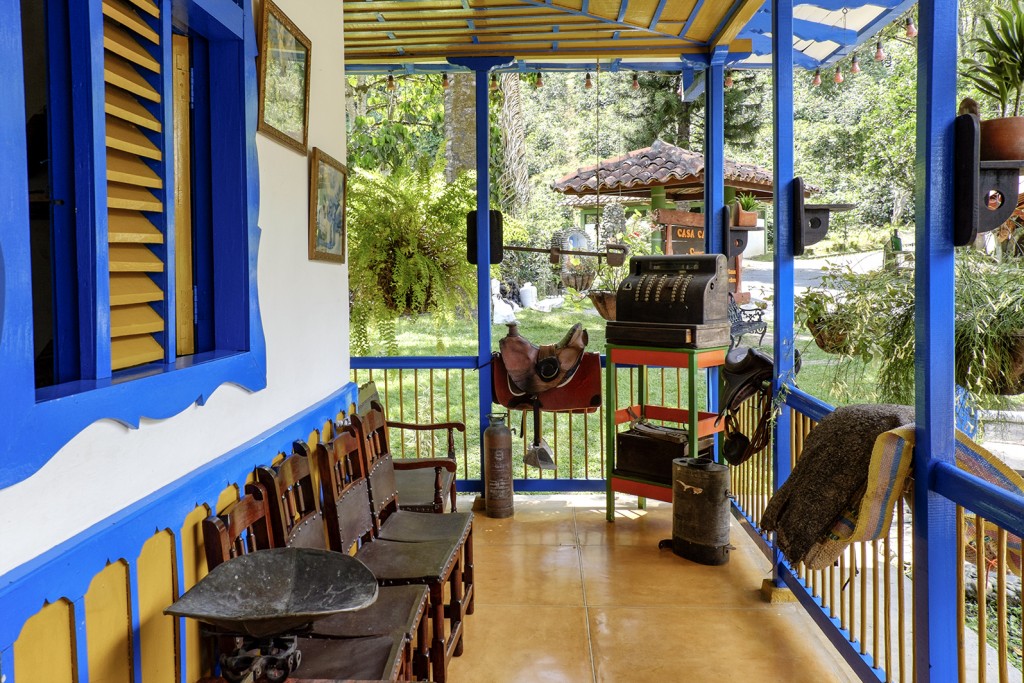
(46, 66)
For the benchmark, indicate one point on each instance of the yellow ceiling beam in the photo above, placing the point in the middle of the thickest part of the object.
(740, 18)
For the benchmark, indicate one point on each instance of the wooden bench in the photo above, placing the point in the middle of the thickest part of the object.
(745, 321)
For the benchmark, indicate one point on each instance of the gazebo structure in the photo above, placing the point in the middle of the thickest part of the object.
(656, 178)
(168, 391)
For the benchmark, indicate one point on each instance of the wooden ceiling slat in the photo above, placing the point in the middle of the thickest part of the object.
(480, 22)
(439, 52)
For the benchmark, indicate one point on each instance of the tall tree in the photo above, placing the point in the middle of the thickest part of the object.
(513, 176)
(460, 126)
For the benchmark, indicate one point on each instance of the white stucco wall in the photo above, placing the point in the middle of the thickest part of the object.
(304, 305)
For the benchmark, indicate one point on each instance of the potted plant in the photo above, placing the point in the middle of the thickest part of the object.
(998, 70)
(745, 211)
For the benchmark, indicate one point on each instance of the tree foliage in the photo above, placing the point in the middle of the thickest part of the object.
(407, 252)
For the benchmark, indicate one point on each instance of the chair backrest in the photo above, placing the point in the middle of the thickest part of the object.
(371, 431)
(295, 518)
(242, 528)
(345, 498)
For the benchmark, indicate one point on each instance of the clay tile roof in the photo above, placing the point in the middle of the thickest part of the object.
(661, 164)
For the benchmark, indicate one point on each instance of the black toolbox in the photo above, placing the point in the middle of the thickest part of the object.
(649, 458)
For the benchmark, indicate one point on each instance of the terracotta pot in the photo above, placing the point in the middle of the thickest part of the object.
(1002, 139)
(604, 302)
(743, 218)
(828, 340)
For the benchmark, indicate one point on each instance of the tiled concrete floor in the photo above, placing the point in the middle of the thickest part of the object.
(564, 596)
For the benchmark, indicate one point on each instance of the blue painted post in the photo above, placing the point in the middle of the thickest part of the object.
(935, 571)
(483, 249)
(782, 337)
(714, 177)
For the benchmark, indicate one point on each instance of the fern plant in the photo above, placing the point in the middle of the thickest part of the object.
(407, 253)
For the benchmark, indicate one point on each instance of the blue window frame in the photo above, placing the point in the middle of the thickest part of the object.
(230, 338)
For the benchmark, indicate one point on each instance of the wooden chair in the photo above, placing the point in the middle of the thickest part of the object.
(394, 523)
(244, 527)
(345, 502)
(295, 520)
(425, 484)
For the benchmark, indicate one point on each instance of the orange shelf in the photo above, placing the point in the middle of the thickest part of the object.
(644, 489)
(705, 358)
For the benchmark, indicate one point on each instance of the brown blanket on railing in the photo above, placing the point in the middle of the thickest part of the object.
(831, 473)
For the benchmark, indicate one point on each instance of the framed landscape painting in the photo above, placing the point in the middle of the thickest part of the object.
(327, 184)
(285, 54)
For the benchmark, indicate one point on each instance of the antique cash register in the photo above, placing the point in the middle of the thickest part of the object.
(673, 301)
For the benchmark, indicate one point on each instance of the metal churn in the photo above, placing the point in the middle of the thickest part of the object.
(498, 467)
(700, 511)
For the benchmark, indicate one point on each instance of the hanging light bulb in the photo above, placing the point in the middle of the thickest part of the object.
(728, 79)
(911, 29)
(839, 75)
(636, 82)
(587, 83)
(391, 82)
(539, 83)
(445, 83)
(855, 64)
(817, 78)
(879, 52)
(494, 81)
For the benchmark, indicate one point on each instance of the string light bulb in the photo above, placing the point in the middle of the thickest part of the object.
(539, 83)
(839, 75)
(911, 29)
(391, 82)
(445, 83)
(816, 81)
(728, 79)
(494, 81)
(855, 64)
(636, 82)
(587, 83)
(879, 52)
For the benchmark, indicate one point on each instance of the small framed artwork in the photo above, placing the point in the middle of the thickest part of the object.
(327, 185)
(284, 69)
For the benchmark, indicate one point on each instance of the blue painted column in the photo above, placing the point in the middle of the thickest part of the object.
(483, 251)
(782, 337)
(935, 571)
(714, 178)
(481, 67)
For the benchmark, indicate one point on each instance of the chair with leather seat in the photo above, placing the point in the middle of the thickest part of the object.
(244, 527)
(345, 502)
(296, 520)
(426, 484)
(394, 523)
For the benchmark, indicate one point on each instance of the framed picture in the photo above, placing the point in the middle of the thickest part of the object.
(285, 55)
(327, 185)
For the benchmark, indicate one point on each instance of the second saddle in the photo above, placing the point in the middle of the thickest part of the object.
(536, 369)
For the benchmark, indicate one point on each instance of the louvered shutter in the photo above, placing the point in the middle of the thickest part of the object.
(130, 42)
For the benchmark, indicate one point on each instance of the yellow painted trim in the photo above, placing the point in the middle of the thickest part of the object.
(44, 650)
(158, 633)
(193, 558)
(184, 310)
(740, 19)
(108, 625)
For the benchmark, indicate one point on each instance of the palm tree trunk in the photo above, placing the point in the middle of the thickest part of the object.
(460, 126)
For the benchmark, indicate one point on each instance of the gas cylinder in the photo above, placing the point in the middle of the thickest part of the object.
(498, 467)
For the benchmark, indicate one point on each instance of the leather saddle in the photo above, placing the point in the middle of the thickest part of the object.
(535, 369)
(746, 373)
(553, 377)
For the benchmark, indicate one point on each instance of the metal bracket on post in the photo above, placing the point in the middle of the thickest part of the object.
(984, 192)
(810, 221)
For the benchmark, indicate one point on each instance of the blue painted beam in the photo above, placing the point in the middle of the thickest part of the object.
(803, 29)
(414, 362)
(584, 13)
(528, 67)
(694, 83)
(869, 31)
(837, 5)
(806, 404)
(623, 8)
(656, 17)
(994, 504)
(690, 19)
(782, 334)
(935, 547)
(763, 45)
